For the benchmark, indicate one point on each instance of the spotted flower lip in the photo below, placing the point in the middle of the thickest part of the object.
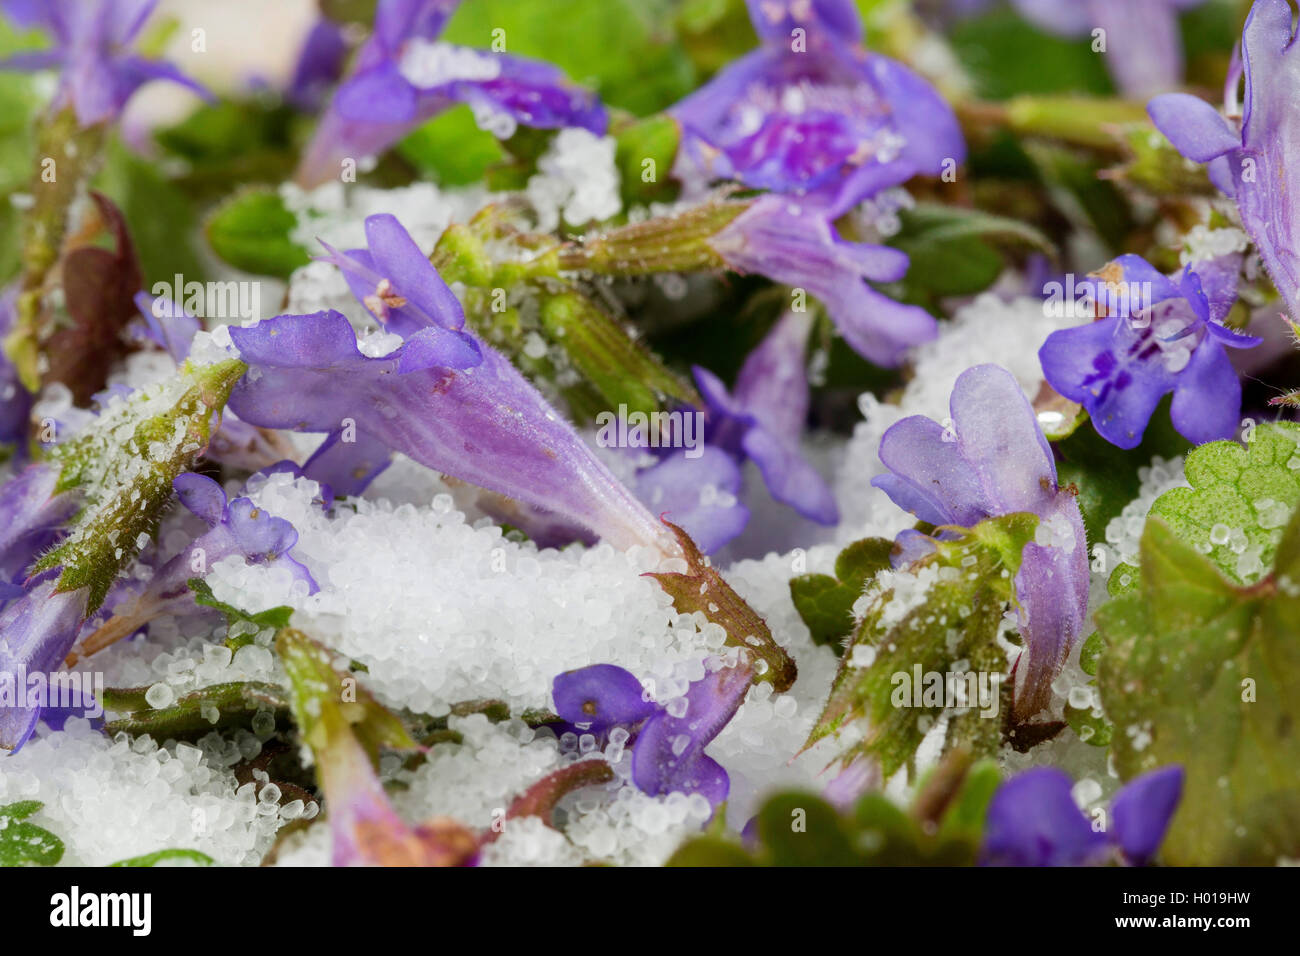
(995, 461)
(1171, 339)
(668, 747)
(91, 38)
(403, 76)
(1252, 160)
(763, 419)
(813, 114)
(1034, 821)
(789, 242)
(395, 281)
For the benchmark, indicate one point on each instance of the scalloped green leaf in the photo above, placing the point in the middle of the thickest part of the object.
(825, 602)
(1222, 474)
(1200, 672)
(1239, 501)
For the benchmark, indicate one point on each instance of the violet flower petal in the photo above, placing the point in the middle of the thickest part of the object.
(668, 754)
(699, 495)
(1193, 126)
(348, 468)
(202, 496)
(1142, 810)
(1033, 821)
(36, 633)
(796, 246)
(601, 696)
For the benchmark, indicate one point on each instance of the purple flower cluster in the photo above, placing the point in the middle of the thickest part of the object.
(404, 75)
(821, 124)
(1170, 338)
(91, 49)
(1034, 821)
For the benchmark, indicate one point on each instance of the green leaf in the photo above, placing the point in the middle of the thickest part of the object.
(802, 829)
(163, 215)
(1199, 672)
(167, 856)
(1239, 501)
(233, 704)
(1090, 727)
(252, 231)
(247, 141)
(654, 139)
(273, 618)
(23, 843)
(123, 466)
(1007, 55)
(714, 32)
(710, 851)
(451, 148)
(933, 621)
(955, 251)
(620, 48)
(826, 603)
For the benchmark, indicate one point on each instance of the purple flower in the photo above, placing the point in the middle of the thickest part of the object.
(699, 495)
(366, 830)
(395, 282)
(790, 243)
(443, 398)
(460, 410)
(813, 114)
(234, 527)
(38, 630)
(319, 65)
(993, 460)
(1254, 162)
(32, 516)
(1166, 335)
(1144, 51)
(763, 419)
(667, 741)
(403, 76)
(165, 324)
(1034, 821)
(91, 38)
